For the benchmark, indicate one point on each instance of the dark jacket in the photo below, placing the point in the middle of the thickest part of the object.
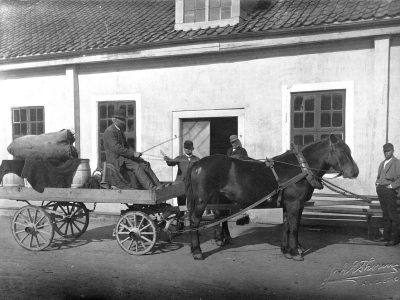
(116, 146)
(390, 174)
(238, 152)
(183, 163)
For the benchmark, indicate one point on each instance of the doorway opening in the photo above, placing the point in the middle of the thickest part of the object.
(209, 135)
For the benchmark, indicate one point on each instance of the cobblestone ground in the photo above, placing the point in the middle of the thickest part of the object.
(339, 265)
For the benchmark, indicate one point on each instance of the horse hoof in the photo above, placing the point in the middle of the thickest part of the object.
(287, 255)
(298, 257)
(198, 256)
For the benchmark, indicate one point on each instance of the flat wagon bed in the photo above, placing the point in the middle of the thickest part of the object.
(63, 210)
(146, 197)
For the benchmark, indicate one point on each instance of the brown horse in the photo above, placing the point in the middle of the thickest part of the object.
(219, 178)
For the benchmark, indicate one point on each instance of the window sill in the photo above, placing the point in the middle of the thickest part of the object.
(207, 24)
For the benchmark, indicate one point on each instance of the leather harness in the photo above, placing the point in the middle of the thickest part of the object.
(312, 180)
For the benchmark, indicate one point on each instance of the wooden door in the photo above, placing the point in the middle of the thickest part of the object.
(199, 132)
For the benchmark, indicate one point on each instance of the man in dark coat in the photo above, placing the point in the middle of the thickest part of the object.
(236, 151)
(183, 162)
(123, 158)
(388, 180)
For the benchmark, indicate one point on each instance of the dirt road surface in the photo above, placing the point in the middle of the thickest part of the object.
(339, 265)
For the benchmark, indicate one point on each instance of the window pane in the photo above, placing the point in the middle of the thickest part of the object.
(110, 110)
(40, 114)
(309, 120)
(214, 14)
(226, 3)
(225, 13)
(131, 110)
(215, 3)
(109, 122)
(102, 144)
(24, 129)
(298, 120)
(200, 15)
(337, 119)
(16, 115)
(308, 139)
(23, 115)
(130, 125)
(189, 16)
(33, 128)
(298, 103)
(189, 5)
(325, 102)
(309, 105)
(40, 128)
(103, 125)
(32, 114)
(103, 112)
(17, 129)
(298, 140)
(200, 4)
(325, 120)
(337, 101)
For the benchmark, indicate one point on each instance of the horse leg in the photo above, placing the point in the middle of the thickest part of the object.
(285, 234)
(294, 213)
(222, 234)
(195, 218)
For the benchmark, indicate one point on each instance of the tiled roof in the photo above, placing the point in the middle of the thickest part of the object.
(38, 27)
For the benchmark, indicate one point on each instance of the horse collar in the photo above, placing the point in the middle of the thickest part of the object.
(315, 183)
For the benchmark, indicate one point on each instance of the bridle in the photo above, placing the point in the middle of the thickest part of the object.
(333, 153)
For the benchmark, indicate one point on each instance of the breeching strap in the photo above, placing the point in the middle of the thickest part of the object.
(281, 187)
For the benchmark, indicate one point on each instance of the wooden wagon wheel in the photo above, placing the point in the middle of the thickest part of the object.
(71, 218)
(32, 228)
(136, 232)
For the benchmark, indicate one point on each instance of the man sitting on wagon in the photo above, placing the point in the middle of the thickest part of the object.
(126, 160)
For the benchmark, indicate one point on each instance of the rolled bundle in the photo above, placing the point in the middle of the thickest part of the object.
(53, 145)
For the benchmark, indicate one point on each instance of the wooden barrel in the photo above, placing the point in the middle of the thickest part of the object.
(11, 179)
(82, 174)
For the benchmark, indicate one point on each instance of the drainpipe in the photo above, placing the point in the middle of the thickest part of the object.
(73, 87)
(388, 93)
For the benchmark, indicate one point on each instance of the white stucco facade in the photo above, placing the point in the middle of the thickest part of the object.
(254, 84)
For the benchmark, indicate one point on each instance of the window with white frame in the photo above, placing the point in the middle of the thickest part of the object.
(194, 14)
(315, 115)
(106, 110)
(27, 120)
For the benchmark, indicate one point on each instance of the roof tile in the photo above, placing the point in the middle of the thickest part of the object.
(30, 27)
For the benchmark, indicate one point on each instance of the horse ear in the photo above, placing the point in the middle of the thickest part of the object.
(333, 139)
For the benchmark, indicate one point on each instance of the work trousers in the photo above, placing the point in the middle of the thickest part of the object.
(391, 221)
(143, 173)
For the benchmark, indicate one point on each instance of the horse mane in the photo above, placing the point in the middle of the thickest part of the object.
(288, 153)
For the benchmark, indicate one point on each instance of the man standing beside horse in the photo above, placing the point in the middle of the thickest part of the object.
(387, 182)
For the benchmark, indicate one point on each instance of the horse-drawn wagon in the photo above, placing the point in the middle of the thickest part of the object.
(63, 210)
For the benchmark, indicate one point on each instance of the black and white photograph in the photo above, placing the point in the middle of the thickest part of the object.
(199, 149)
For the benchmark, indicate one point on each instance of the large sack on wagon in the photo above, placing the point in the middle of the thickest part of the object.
(53, 145)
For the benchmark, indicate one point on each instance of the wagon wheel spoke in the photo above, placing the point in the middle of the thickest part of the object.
(23, 239)
(18, 223)
(136, 233)
(75, 220)
(123, 241)
(147, 226)
(35, 234)
(146, 239)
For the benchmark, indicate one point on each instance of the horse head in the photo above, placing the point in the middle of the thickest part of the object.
(340, 158)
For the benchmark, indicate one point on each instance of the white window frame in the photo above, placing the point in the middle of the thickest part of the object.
(348, 86)
(179, 17)
(95, 116)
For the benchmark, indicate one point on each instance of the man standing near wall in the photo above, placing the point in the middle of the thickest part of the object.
(387, 182)
(236, 151)
(183, 162)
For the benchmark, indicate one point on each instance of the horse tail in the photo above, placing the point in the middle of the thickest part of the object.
(189, 188)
